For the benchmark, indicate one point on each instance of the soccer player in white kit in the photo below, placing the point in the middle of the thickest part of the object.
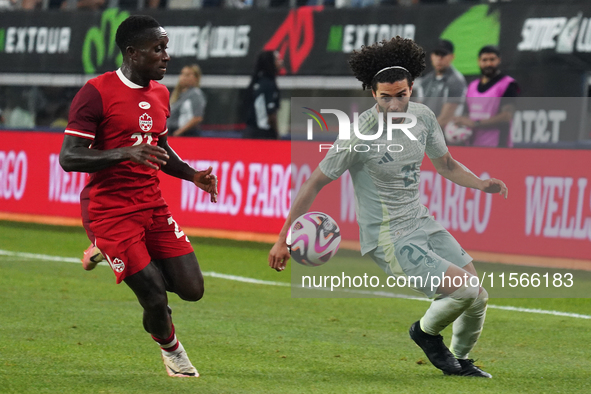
(396, 230)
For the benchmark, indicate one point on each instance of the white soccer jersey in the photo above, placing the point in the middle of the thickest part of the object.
(386, 183)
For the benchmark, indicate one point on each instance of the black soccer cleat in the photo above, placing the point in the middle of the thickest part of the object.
(469, 369)
(435, 350)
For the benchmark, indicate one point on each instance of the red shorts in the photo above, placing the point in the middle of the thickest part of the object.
(131, 241)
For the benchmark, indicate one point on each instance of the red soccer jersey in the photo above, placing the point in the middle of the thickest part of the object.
(113, 112)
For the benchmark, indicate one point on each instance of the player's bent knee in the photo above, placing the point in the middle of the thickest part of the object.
(195, 293)
(466, 294)
(482, 299)
(154, 301)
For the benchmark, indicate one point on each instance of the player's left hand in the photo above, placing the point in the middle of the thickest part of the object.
(494, 186)
(207, 182)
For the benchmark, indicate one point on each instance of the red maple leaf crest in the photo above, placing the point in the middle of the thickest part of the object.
(145, 122)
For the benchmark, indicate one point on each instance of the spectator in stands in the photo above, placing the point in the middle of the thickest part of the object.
(238, 3)
(133, 4)
(262, 97)
(211, 3)
(490, 102)
(78, 4)
(91, 4)
(405, 3)
(17, 114)
(187, 103)
(363, 3)
(8, 5)
(30, 4)
(157, 3)
(443, 89)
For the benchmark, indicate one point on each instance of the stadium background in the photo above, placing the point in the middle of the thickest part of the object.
(67, 330)
(546, 46)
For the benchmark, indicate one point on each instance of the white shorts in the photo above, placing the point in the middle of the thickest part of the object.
(426, 252)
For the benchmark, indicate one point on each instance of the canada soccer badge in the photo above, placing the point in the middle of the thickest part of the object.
(116, 264)
(145, 122)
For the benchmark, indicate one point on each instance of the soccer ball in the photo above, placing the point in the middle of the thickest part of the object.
(456, 134)
(313, 239)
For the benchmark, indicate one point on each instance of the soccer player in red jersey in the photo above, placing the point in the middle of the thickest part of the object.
(117, 132)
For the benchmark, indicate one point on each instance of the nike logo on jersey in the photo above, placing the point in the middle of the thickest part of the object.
(386, 159)
(144, 105)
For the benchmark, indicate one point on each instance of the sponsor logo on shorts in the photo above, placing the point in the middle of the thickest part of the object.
(118, 265)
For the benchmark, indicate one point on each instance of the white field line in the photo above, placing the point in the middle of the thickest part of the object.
(285, 284)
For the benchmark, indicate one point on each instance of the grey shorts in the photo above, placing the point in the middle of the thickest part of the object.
(426, 252)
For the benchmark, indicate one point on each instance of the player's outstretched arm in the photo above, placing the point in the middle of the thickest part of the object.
(76, 155)
(456, 172)
(279, 255)
(177, 168)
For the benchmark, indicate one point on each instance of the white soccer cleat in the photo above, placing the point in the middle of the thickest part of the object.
(92, 256)
(178, 364)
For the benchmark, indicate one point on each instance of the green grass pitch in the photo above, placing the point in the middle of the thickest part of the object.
(65, 330)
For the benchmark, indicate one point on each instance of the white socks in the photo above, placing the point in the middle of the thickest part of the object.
(467, 328)
(466, 308)
(446, 309)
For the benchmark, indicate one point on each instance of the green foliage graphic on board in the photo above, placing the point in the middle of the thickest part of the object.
(99, 43)
(471, 31)
(2, 34)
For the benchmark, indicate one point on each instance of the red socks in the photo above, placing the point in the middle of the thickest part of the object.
(169, 344)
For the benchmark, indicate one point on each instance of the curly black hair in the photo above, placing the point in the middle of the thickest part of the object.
(399, 51)
(133, 30)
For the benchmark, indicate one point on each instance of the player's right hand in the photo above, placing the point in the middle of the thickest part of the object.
(278, 256)
(207, 182)
(148, 155)
(494, 186)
